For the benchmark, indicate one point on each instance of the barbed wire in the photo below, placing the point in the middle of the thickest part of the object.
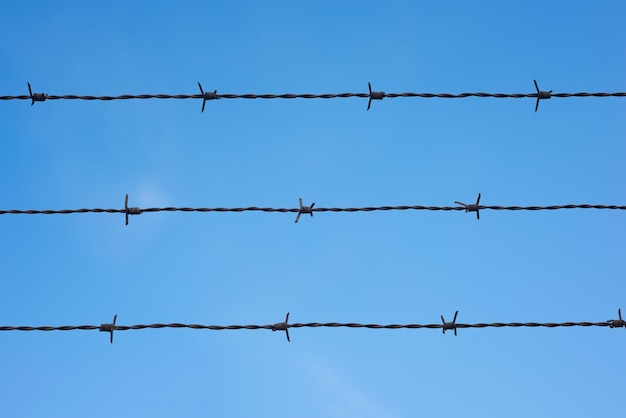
(303, 209)
(284, 326)
(371, 95)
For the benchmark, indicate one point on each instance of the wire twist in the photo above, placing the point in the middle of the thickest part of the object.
(284, 326)
(372, 95)
(307, 325)
(312, 96)
(309, 210)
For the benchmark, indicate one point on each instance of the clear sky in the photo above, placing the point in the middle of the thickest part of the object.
(253, 268)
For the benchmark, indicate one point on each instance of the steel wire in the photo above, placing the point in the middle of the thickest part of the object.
(297, 210)
(284, 326)
(308, 325)
(312, 96)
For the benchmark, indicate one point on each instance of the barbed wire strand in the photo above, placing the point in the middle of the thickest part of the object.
(310, 209)
(307, 325)
(296, 210)
(285, 326)
(314, 96)
(372, 95)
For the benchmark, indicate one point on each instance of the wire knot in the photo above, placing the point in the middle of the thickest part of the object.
(109, 328)
(36, 97)
(374, 95)
(304, 210)
(207, 96)
(130, 211)
(617, 323)
(449, 325)
(541, 95)
(283, 326)
(471, 207)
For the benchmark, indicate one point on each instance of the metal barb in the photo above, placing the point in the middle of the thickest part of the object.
(36, 97)
(109, 328)
(207, 96)
(617, 323)
(374, 95)
(541, 95)
(471, 207)
(130, 211)
(304, 209)
(283, 326)
(449, 325)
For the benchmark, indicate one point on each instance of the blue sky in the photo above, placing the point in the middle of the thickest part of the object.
(252, 268)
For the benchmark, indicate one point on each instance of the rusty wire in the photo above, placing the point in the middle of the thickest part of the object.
(308, 209)
(284, 326)
(372, 95)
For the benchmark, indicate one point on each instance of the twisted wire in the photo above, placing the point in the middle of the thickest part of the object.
(313, 96)
(317, 209)
(309, 325)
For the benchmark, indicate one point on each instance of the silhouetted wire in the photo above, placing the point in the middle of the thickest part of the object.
(297, 210)
(372, 95)
(313, 96)
(285, 326)
(309, 325)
